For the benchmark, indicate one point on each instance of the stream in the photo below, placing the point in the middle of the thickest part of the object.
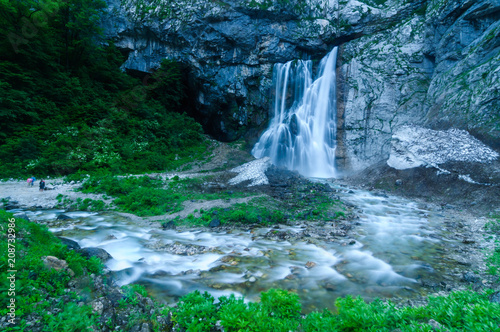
(394, 249)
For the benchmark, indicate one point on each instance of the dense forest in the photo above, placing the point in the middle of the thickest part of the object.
(66, 106)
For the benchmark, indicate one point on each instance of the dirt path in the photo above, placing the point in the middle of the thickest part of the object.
(18, 193)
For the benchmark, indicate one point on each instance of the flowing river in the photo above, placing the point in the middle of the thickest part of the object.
(394, 248)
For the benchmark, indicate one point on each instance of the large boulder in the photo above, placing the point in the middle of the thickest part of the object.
(100, 253)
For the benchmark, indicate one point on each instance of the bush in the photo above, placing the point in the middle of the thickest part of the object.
(38, 287)
(196, 312)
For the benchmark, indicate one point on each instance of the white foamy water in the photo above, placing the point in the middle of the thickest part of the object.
(302, 133)
(395, 245)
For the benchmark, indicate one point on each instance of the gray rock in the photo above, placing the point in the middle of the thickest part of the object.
(495, 297)
(72, 245)
(102, 254)
(22, 216)
(169, 225)
(11, 206)
(470, 277)
(436, 326)
(428, 63)
(63, 217)
(214, 223)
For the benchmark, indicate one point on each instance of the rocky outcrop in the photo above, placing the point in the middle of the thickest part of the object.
(463, 39)
(228, 46)
(438, 68)
(432, 63)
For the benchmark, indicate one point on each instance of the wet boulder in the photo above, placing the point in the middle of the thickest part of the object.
(11, 205)
(22, 216)
(168, 225)
(72, 245)
(495, 297)
(214, 223)
(102, 254)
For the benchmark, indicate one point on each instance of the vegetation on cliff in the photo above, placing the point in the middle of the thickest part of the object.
(66, 106)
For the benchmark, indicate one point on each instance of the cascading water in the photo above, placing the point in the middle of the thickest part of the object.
(302, 133)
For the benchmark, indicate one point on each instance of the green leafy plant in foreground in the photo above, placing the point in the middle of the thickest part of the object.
(280, 310)
(39, 288)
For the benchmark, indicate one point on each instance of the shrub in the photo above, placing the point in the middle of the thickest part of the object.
(196, 312)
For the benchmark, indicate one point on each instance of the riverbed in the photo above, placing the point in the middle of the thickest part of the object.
(397, 249)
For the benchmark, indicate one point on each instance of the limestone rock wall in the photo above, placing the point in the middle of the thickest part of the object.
(433, 63)
(439, 67)
(229, 46)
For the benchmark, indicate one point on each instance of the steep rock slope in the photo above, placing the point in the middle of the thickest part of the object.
(439, 67)
(433, 63)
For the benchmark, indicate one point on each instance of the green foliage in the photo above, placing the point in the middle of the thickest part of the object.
(196, 312)
(493, 258)
(88, 204)
(38, 286)
(241, 213)
(281, 304)
(71, 318)
(146, 196)
(93, 116)
(279, 310)
(234, 313)
(130, 297)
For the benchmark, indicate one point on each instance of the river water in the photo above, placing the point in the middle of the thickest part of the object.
(394, 247)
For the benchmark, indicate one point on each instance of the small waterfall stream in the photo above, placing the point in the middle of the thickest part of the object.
(302, 134)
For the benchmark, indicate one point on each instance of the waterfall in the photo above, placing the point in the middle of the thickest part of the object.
(301, 136)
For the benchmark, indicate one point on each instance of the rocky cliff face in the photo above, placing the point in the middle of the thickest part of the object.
(433, 63)
(438, 67)
(229, 46)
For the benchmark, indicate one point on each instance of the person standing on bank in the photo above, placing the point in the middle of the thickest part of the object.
(42, 185)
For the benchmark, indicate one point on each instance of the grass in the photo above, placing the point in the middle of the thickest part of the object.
(150, 196)
(493, 258)
(240, 213)
(39, 289)
(147, 196)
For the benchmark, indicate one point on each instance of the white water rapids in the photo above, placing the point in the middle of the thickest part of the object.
(395, 247)
(302, 133)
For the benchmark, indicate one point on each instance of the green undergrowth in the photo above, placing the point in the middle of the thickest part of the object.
(81, 204)
(316, 206)
(280, 310)
(149, 196)
(253, 212)
(66, 105)
(264, 210)
(39, 290)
